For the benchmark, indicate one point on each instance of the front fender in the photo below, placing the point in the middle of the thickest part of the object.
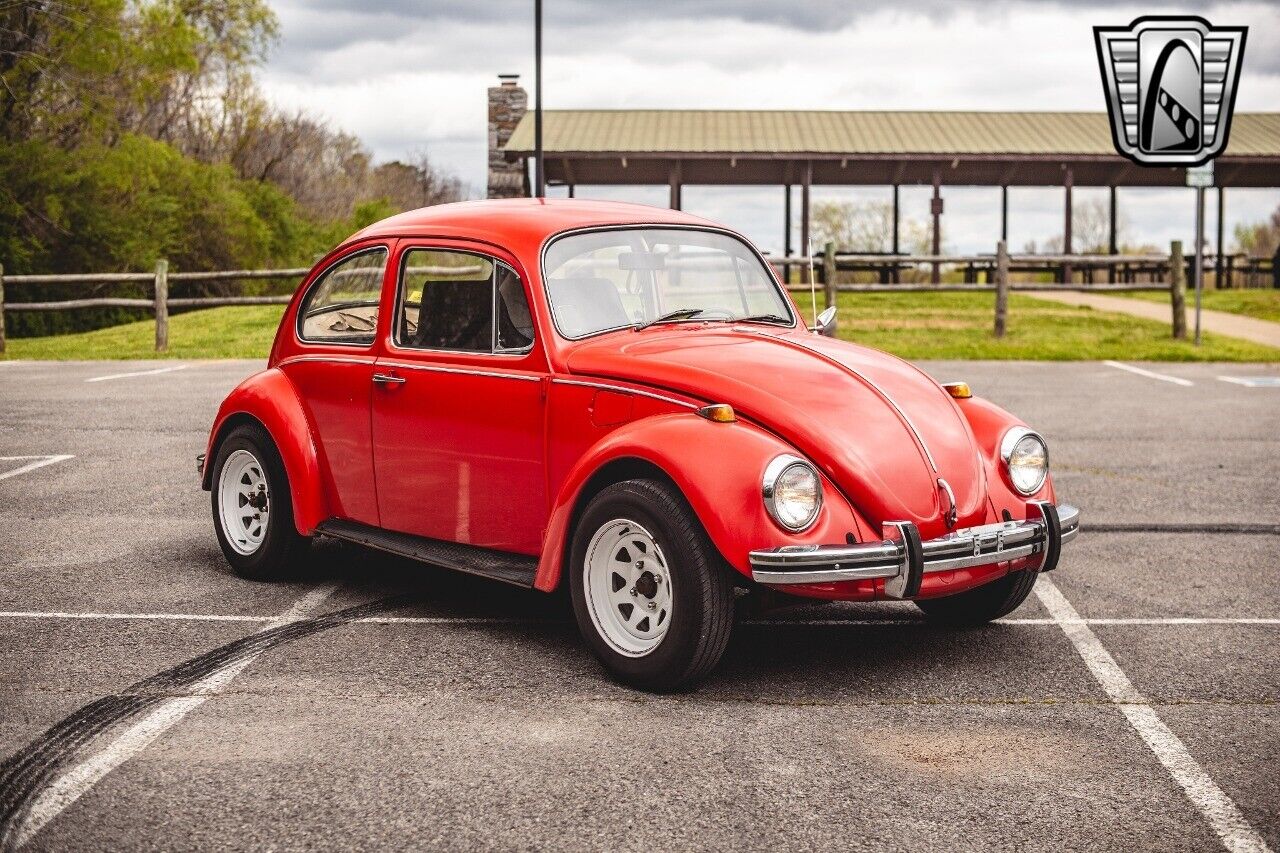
(270, 399)
(718, 468)
(989, 423)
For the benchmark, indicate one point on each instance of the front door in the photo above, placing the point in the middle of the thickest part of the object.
(458, 404)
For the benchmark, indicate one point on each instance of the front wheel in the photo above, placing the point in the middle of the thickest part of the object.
(252, 506)
(982, 604)
(650, 594)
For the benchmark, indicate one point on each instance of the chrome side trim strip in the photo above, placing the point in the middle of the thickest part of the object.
(466, 371)
(977, 546)
(870, 384)
(622, 389)
(332, 359)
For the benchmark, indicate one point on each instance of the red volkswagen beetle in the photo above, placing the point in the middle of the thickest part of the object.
(624, 400)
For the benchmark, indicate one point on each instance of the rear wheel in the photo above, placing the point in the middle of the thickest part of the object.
(252, 506)
(983, 604)
(650, 594)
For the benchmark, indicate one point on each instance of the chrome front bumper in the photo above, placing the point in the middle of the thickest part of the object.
(904, 558)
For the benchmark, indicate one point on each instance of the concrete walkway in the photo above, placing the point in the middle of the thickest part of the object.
(1218, 322)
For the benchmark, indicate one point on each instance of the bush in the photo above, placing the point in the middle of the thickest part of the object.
(120, 208)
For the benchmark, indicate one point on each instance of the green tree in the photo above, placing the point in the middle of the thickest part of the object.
(132, 130)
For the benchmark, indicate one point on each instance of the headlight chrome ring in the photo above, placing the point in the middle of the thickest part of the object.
(1019, 451)
(786, 480)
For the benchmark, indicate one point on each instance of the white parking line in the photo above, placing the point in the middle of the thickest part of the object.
(1252, 381)
(39, 462)
(513, 620)
(1150, 374)
(1167, 620)
(69, 787)
(136, 373)
(1213, 803)
(173, 617)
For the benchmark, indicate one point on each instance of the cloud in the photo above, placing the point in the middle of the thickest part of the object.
(402, 74)
(814, 15)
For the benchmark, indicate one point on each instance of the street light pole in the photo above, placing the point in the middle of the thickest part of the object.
(1199, 177)
(1198, 256)
(539, 176)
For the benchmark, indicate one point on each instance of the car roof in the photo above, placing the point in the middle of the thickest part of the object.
(530, 220)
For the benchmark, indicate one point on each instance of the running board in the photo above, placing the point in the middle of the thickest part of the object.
(516, 569)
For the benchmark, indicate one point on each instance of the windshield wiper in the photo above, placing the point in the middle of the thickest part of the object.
(678, 314)
(762, 318)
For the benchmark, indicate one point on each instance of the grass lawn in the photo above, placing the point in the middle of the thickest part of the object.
(958, 326)
(233, 331)
(912, 325)
(1258, 303)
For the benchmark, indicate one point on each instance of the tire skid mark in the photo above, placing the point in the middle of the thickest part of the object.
(25, 774)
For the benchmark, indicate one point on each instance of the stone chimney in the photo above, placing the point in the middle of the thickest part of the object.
(508, 103)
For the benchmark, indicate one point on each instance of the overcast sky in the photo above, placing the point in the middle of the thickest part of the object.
(409, 74)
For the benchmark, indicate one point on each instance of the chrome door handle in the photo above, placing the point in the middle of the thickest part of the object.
(387, 379)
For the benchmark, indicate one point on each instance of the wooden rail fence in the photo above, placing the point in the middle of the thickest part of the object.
(996, 269)
(160, 302)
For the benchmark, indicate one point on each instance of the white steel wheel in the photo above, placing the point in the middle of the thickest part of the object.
(627, 588)
(244, 502)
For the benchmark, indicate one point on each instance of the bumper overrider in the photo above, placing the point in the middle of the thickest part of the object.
(903, 559)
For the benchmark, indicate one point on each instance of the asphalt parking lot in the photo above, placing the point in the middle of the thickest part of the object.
(151, 700)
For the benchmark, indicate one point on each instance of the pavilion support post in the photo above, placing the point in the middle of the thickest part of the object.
(828, 275)
(571, 190)
(674, 180)
(1218, 282)
(1068, 182)
(1002, 288)
(786, 231)
(897, 226)
(1178, 289)
(935, 277)
(804, 206)
(1113, 244)
(1004, 213)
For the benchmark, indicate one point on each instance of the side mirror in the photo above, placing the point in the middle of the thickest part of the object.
(826, 322)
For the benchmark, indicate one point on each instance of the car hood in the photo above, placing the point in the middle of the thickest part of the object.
(879, 428)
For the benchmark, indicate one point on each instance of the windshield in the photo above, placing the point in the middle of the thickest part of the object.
(601, 280)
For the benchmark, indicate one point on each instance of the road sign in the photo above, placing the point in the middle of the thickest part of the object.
(1200, 176)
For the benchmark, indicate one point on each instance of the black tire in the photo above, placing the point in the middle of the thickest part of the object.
(281, 547)
(983, 604)
(702, 593)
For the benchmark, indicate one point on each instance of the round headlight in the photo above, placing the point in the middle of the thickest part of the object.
(1026, 459)
(792, 492)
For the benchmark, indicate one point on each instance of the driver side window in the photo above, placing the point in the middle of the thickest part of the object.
(342, 307)
(460, 301)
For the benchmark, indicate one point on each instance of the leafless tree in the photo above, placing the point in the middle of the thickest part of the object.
(866, 227)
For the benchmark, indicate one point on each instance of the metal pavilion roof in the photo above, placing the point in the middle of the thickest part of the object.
(990, 145)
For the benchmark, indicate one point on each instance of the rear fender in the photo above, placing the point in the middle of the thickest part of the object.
(270, 399)
(717, 467)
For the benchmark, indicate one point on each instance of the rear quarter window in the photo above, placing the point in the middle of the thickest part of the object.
(341, 307)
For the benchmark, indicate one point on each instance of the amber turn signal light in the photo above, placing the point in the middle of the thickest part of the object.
(959, 390)
(721, 413)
